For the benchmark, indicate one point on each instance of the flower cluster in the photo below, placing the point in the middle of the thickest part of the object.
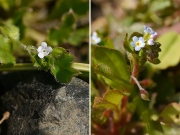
(148, 38)
(95, 39)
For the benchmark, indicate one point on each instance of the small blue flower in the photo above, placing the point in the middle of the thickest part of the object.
(149, 31)
(95, 39)
(138, 43)
(150, 41)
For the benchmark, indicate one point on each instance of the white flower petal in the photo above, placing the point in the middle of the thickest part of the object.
(98, 40)
(46, 53)
(151, 42)
(137, 48)
(95, 39)
(135, 38)
(132, 44)
(43, 50)
(154, 34)
(44, 44)
(141, 39)
(142, 45)
(146, 31)
(39, 49)
(150, 30)
(41, 55)
(145, 27)
(94, 34)
(49, 49)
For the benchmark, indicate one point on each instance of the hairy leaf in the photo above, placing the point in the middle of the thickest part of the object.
(62, 69)
(10, 31)
(111, 64)
(59, 62)
(6, 57)
(111, 100)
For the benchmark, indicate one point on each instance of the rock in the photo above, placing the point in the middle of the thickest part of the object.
(41, 106)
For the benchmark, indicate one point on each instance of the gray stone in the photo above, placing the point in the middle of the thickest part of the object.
(41, 106)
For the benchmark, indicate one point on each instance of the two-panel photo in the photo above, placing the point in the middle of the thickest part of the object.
(89, 67)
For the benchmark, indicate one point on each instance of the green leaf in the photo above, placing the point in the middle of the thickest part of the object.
(58, 51)
(170, 50)
(10, 31)
(80, 7)
(111, 64)
(5, 44)
(59, 62)
(5, 51)
(109, 43)
(6, 57)
(126, 44)
(105, 71)
(170, 130)
(111, 100)
(61, 35)
(159, 5)
(171, 114)
(78, 36)
(6, 5)
(41, 63)
(84, 4)
(62, 68)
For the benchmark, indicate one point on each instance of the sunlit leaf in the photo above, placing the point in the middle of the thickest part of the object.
(5, 44)
(5, 51)
(10, 31)
(171, 114)
(109, 43)
(6, 5)
(6, 57)
(170, 130)
(111, 64)
(111, 100)
(114, 80)
(159, 5)
(170, 55)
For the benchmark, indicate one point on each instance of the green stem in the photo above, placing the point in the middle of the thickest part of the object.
(81, 67)
(29, 66)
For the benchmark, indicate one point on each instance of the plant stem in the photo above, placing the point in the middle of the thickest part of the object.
(136, 81)
(29, 66)
(81, 67)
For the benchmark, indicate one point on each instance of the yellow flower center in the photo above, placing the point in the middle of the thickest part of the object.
(93, 41)
(138, 44)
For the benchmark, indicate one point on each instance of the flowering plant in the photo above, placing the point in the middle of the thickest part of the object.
(18, 31)
(117, 83)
